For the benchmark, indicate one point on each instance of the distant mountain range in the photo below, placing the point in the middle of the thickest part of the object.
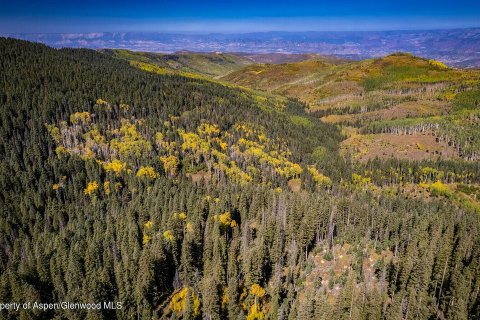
(455, 47)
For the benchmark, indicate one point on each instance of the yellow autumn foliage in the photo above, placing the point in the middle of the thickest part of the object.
(168, 235)
(226, 220)
(276, 159)
(80, 117)
(263, 138)
(292, 170)
(234, 172)
(102, 102)
(106, 187)
(115, 166)
(194, 143)
(360, 181)
(54, 132)
(189, 227)
(431, 174)
(255, 313)
(225, 298)
(438, 188)
(438, 64)
(148, 172)
(90, 188)
(182, 216)
(257, 290)
(243, 127)
(158, 138)
(95, 136)
(148, 224)
(178, 303)
(207, 129)
(222, 144)
(129, 142)
(319, 178)
(61, 151)
(449, 96)
(146, 239)
(170, 164)
(88, 153)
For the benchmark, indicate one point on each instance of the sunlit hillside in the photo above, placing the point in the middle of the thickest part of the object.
(205, 64)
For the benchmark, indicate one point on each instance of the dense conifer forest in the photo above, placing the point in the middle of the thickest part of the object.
(185, 198)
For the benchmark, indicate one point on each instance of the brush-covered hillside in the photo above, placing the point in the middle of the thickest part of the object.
(423, 100)
(297, 79)
(182, 198)
(187, 63)
(278, 58)
(317, 80)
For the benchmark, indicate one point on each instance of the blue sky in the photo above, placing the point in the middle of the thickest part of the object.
(231, 16)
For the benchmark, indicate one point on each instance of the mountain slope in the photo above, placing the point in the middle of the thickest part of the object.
(205, 64)
(297, 79)
(277, 58)
(374, 96)
(315, 80)
(184, 198)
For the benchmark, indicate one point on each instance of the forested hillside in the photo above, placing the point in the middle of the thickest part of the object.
(183, 198)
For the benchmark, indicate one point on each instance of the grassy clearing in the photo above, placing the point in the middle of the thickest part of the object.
(386, 146)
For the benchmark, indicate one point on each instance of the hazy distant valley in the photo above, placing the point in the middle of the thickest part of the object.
(456, 47)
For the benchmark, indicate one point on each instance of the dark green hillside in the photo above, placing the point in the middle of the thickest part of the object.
(186, 199)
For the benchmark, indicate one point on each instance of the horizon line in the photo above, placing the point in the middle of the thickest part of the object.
(249, 32)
